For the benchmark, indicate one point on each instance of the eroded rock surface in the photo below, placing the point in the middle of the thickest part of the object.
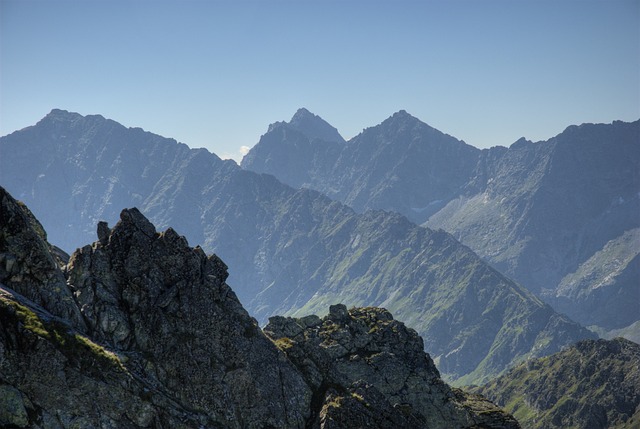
(363, 355)
(167, 308)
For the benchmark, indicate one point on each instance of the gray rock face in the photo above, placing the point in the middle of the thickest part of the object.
(607, 280)
(349, 356)
(53, 377)
(167, 308)
(28, 264)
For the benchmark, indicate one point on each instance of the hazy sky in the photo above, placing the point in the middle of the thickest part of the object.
(214, 74)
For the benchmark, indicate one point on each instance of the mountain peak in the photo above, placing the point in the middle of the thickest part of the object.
(402, 121)
(313, 126)
(57, 117)
(302, 113)
(60, 114)
(403, 115)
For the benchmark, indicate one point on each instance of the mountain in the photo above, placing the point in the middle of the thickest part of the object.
(314, 126)
(539, 212)
(291, 252)
(164, 342)
(551, 208)
(313, 146)
(402, 165)
(593, 384)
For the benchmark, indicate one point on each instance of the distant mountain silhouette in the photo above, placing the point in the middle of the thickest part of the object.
(539, 212)
(290, 252)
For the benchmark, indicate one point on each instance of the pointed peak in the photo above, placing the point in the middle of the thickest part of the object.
(401, 120)
(303, 113)
(521, 142)
(313, 126)
(403, 115)
(132, 218)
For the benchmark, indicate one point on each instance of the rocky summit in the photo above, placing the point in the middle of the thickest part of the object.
(140, 330)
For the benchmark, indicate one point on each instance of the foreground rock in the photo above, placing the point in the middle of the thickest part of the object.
(145, 333)
(158, 320)
(167, 308)
(593, 384)
(363, 355)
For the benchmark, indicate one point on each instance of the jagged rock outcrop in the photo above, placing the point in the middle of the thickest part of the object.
(592, 384)
(163, 342)
(167, 308)
(28, 263)
(350, 355)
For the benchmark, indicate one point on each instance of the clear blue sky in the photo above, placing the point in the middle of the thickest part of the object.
(214, 74)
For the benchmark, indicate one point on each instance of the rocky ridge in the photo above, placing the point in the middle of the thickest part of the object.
(336, 352)
(163, 342)
(592, 384)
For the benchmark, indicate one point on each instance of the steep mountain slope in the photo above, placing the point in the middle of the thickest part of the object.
(552, 206)
(166, 344)
(290, 252)
(537, 211)
(609, 279)
(593, 384)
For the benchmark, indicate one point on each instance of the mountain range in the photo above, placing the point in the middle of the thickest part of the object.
(140, 330)
(290, 252)
(560, 216)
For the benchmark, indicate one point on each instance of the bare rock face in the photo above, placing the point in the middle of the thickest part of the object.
(166, 307)
(28, 264)
(52, 376)
(353, 357)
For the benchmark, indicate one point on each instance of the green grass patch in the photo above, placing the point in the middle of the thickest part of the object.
(80, 350)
